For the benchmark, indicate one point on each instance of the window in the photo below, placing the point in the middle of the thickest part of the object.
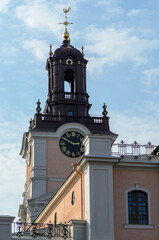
(67, 86)
(73, 198)
(69, 81)
(70, 113)
(137, 207)
(55, 218)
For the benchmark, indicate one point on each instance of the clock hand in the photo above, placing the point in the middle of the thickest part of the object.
(68, 140)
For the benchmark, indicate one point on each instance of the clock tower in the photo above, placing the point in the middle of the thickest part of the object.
(55, 137)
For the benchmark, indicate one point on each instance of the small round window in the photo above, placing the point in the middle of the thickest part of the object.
(73, 198)
(69, 62)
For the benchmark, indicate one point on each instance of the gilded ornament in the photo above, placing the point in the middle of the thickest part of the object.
(66, 34)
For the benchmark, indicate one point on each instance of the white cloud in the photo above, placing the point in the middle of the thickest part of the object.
(4, 5)
(135, 128)
(12, 178)
(5, 48)
(12, 130)
(137, 12)
(111, 46)
(96, 64)
(150, 77)
(40, 15)
(112, 8)
(153, 108)
(12, 166)
(38, 48)
(45, 15)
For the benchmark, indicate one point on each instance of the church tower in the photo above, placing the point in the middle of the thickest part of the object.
(55, 137)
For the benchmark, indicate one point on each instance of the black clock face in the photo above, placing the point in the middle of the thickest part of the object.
(71, 144)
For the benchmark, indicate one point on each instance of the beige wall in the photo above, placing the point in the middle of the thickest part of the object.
(57, 164)
(29, 169)
(63, 207)
(123, 180)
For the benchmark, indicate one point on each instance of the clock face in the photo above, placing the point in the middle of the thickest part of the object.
(71, 144)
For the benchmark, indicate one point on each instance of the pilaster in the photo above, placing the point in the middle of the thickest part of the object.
(38, 180)
(78, 229)
(5, 227)
(98, 184)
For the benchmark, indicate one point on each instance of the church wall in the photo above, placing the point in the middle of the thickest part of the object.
(52, 185)
(123, 180)
(57, 164)
(29, 170)
(63, 207)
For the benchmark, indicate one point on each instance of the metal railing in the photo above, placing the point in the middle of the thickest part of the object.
(58, 118)
(37, 230)
(43, 118)
(69, 95)
(134, 149)
(50, 118)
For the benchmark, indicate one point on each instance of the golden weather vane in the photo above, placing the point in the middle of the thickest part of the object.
(66, 34)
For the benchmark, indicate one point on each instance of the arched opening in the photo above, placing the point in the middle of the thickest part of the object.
(69, 81)
(66, 86)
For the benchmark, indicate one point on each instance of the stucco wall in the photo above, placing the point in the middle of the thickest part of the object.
(123, 180)
(29, 169)
(63, 207)
(57, 164)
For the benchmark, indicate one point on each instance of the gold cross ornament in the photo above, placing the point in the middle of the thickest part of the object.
(66, 34)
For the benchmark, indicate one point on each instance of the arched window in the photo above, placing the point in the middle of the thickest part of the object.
(137, 207)
(69, 81)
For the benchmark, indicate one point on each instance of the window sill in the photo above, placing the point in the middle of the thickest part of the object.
(139, 226)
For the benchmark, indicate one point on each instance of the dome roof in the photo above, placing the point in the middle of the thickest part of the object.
(65, 49)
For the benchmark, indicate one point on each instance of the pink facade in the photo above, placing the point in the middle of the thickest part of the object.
(123, 180)
(62, 205)
(58, 165)
(29, 168)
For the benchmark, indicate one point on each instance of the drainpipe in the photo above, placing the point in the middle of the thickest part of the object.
(82, 188)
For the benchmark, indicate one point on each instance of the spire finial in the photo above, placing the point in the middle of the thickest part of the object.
(69, 47)
(66, 34)
(104, 110)
(50, 53)
(38, 109)
(82, 51)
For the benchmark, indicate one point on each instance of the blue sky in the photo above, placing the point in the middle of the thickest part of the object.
(121, 42)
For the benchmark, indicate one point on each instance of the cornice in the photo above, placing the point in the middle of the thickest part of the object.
(55, 135)
(94, 159)
(132, 162)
